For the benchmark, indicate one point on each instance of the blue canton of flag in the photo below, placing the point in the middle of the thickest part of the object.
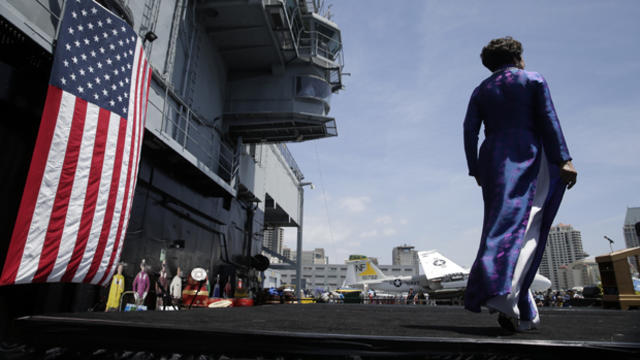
(94, 56)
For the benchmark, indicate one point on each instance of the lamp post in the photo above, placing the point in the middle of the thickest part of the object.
(610, 242)
(299, 242)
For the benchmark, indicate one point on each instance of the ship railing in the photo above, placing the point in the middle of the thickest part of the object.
(196, 135)
(328, 51)
(291, 162)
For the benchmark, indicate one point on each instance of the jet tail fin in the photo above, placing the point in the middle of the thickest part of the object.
(436, 265)
(362, 270)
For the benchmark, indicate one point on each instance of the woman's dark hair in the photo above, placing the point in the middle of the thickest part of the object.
(500, 52)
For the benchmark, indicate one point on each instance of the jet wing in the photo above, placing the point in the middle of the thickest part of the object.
(436, 265)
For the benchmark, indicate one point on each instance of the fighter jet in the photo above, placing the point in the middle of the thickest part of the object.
(441, 276)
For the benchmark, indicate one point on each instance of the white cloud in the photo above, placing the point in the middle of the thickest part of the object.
(355, 204)
(389, 231)
(369, 234)
(385, 220)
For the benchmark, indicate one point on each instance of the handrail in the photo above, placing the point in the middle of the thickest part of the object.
(286, 154)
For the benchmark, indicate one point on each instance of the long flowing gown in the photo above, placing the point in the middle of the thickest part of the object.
(517, 165)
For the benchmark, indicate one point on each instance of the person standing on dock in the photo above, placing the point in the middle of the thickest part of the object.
(523, 167)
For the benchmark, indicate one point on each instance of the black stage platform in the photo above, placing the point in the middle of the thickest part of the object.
(339, 330)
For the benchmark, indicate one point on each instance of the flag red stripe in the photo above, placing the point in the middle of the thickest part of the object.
(63, 193)
(93, 187)
(111, 203)
(123, 213)
(32, 186)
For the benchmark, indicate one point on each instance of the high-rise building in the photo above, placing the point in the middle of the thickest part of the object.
(630, 227)
(273, 239)
(564, 246)
(579, 274)
(404, 255)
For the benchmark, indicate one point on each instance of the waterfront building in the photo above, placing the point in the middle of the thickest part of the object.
(232, 83)
(404, 255)
(564, 246)
(579, 274)
(631, 227)
(332, 276)
(315, 256)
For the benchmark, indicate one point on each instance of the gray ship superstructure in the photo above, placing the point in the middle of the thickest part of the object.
(233, 81)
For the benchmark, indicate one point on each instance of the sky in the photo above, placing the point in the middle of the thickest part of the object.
(396, 174)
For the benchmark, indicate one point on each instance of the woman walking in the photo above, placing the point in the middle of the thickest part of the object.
(523, 167)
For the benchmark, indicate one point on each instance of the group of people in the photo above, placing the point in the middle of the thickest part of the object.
(167, 293)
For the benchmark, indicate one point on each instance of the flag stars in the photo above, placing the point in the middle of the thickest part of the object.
(118, 57)
(109, 61)
(126, 80)
(112, 103)
(121, 43)
(98, 80)
(119, 98)
(77, 43)
(99, 23)
(108, 20)
(112, 47)
(105, 92)
(84, 57)
(74, 59)
(81, 72)
(107, 77)
(123, 28)
(89, 85)
(96, 38)
(129, 66)
(101, 50)
(73, 77)
(84, 12)
(80, 27)
(105, 35)
(99, 65)
(80, 89)
(124, 109)
(68, 47)
(90, 26)
(63, 81)
(71, 31)
(116, 72)
(95, 96)
(90, 69)
(66, 63)
(94, 10)
(74, 14)
(86, 41)
(121, 83)
(126, 95)
(114, 31)
(93, 53)
(122, 68)
(113, 87)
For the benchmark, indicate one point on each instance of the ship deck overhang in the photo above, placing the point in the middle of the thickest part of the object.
(275, 215)
(279, 126)
(162, 154)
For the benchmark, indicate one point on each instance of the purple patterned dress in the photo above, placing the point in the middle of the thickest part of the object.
(520, 124)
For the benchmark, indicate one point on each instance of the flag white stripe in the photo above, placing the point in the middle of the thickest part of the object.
(103, 197)
(78, 194)
(47, 192)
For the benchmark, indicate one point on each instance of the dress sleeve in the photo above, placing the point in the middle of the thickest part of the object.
(553, 140)
(472, 122)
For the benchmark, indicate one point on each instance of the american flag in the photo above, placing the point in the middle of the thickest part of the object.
(75, 207)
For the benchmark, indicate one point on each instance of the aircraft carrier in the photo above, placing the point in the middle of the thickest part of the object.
(233, 81)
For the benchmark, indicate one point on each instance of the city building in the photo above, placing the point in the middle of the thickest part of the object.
(315, 256)
(273, 244)
(579, 274)
(632, 227)
(231, 83)
(404, 255)
(564, 246)
(332, 276)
